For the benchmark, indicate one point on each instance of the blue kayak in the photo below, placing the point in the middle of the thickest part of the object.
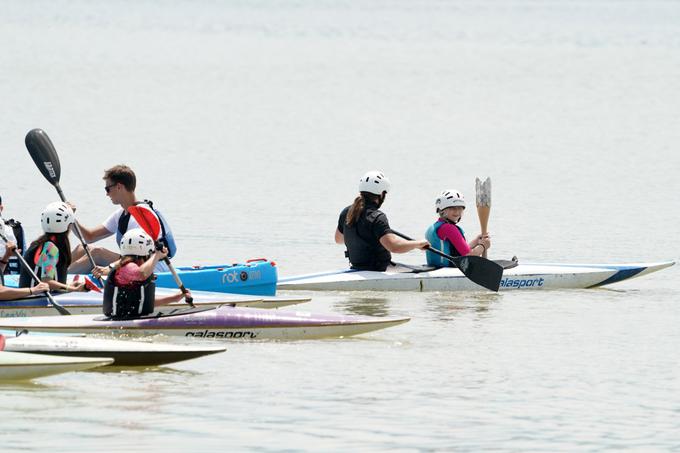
(254, 277)
(257, 277)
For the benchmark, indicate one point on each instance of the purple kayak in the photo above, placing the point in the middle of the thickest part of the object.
(223, 323)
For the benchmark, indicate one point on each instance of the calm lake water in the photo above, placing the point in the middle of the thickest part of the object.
(249, 123)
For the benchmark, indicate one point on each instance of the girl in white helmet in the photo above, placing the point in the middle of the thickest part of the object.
(50, 254)
(365, 231)
(447, 236)
(129, 291)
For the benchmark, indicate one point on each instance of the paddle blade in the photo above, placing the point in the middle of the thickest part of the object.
(483, 192)
(92, 286)
(44, 155)
(484, 272)
(147, 220)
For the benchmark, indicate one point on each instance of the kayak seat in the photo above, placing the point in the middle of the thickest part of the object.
(158, 314)
(414, 269)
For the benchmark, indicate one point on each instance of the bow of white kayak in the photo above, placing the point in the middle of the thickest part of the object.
(123, 352)
(17, 366)
(91, 302)
(523, 276)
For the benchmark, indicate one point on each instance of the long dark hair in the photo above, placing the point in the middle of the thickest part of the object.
(360, 203)
(60, 240)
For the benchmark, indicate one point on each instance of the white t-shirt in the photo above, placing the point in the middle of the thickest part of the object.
(111, 225)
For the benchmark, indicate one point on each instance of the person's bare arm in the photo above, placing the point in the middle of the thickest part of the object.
(395, 244)
(94, 234)
(339, 237)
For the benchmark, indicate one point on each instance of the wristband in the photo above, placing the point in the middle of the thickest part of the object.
(30, 291)
(3, 262)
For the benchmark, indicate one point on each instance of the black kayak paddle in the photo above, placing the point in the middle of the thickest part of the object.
(44, 155)
(480, 270)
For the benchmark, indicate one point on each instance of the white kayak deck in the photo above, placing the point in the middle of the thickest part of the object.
(523, 276)
(124, 352)
(17, 366)
(91, 303)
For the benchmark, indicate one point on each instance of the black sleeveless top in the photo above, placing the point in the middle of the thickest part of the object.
(362, 239)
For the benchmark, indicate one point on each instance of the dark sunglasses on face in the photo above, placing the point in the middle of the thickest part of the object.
(108, 188)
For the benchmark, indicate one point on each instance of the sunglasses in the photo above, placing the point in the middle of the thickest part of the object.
(108, 188)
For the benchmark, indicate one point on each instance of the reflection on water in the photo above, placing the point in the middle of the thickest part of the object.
(18, 387)
(160, 370)
(441, 306)
(366, 306)
(446, 306)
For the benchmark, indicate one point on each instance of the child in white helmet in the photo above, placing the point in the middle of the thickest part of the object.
(129, 291)
(447, 236)
(50, 254)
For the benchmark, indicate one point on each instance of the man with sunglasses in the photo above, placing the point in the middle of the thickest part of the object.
(119, 183)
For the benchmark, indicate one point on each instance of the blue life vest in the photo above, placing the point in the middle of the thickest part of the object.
(442, 245)
(167, 239)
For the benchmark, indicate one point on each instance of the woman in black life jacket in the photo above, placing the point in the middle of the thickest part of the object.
(129, 291)
(365, 231)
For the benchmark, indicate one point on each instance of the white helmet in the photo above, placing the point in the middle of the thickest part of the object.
(374, 182)
(449, 199)
(137, 243)
(56, 217)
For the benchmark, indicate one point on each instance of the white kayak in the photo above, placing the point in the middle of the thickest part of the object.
(91, 302)
(222, 323)
(19, 366)
(124, 352)
(520, 277)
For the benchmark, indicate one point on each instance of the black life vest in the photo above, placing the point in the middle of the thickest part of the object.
(31, 256)
(364, 251)
(128, 302)
(166, 238)
(13, 265)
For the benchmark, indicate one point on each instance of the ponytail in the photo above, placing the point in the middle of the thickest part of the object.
(360, 203)
(355, 210)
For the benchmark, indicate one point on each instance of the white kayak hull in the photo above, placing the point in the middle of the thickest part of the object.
(521, 277)
(19, 366)
(91, 303)
(124, 352)
(224, 323)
